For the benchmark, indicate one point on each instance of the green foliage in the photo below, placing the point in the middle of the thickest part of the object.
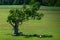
(24, 14)
(57, 3)
(49, 2)
(32, 2)
(16, 15)
(20, 2)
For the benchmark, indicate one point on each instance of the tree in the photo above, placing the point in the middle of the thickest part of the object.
(49, 2)
(18, 16)
(16, 2)
(57, 3)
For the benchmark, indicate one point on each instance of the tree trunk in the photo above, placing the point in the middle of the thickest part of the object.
(16, 33)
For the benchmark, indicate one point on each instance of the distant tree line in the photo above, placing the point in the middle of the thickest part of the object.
(20, 2)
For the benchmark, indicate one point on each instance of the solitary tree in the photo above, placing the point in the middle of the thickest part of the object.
(18, 16)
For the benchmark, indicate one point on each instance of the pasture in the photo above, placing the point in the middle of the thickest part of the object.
(49, 24)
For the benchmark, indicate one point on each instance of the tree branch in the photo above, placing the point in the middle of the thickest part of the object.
(12, 24)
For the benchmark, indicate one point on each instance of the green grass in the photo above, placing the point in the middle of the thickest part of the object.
(49, 24)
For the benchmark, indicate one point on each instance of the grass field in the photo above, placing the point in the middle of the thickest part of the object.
(49, 24)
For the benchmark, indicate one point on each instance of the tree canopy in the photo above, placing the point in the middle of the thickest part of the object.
(24, 13)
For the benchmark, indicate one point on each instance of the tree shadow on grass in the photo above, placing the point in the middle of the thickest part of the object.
(34, 35)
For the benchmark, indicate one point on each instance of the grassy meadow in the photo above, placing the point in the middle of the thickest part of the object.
(49, 24)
